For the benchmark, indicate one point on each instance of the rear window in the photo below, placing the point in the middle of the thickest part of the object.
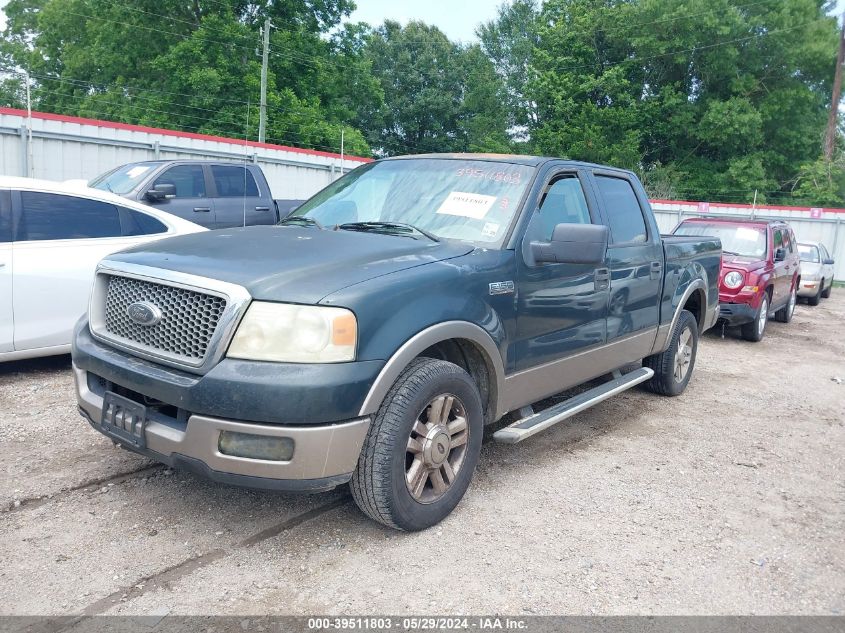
(137, 223)
(623, 210)
(50, 216)
(745, 241)
(233, 181)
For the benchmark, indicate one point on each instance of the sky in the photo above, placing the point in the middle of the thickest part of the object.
(457, 18)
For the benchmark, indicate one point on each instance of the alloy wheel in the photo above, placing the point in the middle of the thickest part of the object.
(683, 355)
(436, 448)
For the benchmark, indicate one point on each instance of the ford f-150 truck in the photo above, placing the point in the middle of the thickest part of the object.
(370, 335)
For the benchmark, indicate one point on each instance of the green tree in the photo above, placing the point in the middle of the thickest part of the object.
(187, 64)
(509, 42)
(722, 97)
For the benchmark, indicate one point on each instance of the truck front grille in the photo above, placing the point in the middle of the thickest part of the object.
(187, 324)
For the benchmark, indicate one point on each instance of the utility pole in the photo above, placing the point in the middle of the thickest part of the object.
(833, 118)
(341, 151)
(265, 55)
(30, 156)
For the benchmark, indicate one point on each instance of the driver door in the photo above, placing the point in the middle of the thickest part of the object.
(562, 307)
(191, 201)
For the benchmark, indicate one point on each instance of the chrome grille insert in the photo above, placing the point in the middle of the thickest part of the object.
(188, 322)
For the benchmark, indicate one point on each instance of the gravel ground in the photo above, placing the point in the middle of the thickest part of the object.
(727, 500)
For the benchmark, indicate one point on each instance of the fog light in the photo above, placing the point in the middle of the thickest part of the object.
(266, 447)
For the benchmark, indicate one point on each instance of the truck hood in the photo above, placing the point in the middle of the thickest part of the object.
(740, 262)
(289, 263)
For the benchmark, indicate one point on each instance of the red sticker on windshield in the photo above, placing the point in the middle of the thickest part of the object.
(510, 178)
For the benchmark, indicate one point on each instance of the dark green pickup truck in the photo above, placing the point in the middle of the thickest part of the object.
(370, 336)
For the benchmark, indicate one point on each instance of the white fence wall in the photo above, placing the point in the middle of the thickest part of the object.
(70, 147)
(811, 224)
(66, 148)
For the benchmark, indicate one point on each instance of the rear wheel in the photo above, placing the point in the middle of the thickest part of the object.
(827, 291)
(673, 367)
(755, 330)
(784, 315)
(422, 447)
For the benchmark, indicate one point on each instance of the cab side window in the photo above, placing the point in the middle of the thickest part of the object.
(50, 216)
(778, 239)
(624, 214)
(189, 180)
(5, 215)
(563, 203)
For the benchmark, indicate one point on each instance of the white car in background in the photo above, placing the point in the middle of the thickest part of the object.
(816, 272)
(52, 236)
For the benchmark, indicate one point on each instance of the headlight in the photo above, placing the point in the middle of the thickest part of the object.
(287, 333)
(734, 279)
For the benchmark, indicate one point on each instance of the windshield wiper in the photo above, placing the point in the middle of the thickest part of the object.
(401, 228)
(302, 220)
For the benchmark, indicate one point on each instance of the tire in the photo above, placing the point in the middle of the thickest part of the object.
(413, 438)
(816, 298)
(673, 367)
(755, 330)
(784, 315)
(828, 290)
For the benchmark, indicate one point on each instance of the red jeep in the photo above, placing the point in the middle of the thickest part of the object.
(760, 270)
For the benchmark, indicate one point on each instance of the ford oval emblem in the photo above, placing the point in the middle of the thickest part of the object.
(144, 313)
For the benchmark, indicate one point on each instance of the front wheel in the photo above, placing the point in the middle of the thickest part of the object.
(673, 368)
(754, 331)
(422, 447)
(827, 291)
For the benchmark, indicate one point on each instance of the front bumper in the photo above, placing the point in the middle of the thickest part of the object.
(737, 313)
(808, 287)
(250, 391)
(324, 456)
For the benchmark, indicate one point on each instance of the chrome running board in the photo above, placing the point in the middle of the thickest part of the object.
(533, 424)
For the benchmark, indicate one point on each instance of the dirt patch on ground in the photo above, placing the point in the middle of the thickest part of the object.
(728, 499)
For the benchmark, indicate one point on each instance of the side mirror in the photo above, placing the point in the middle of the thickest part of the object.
(160, 192)
(828, 262)
(573, 244)
(780, 254)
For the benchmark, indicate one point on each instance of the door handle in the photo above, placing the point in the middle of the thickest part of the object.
(655, 270)
(602, 279)
(202, 209)
(262, 208)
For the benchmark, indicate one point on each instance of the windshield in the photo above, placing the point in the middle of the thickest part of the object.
(808, 253)
(468, 200)
(123, 179)
(747, 241)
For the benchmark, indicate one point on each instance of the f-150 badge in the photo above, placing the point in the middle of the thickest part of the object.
(501, 288)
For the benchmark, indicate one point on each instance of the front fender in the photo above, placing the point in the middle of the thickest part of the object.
(401, 314)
